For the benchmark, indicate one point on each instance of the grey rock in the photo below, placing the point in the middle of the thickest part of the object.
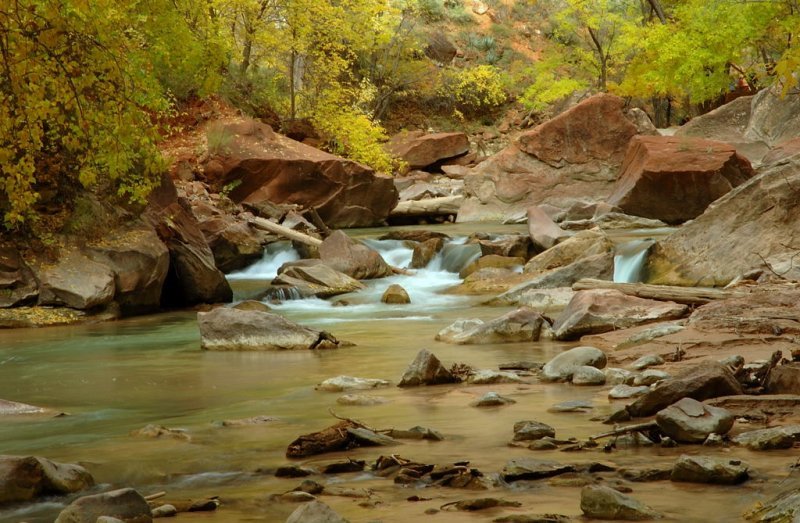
(532, 430)
(125, 504)
(701, 469)
(520, 325)
(417, 433)
(165, 511)
(713, 440)
(563, 366)
(586, 375)
(316, 279)
(769, 439)
(648, 361)
(75, 281)
(342, 383)
(624, 392)
(652, 333)
(361, 400)
(606, 503)
(689, 421)
(426, 369)
(650, 377)
(492, 399)
(733, 361)
(315, 512)
(572, 406)
(531, 469)
(370, 438)
(632, 441)
(616, 376)
(783, 507)
(24, 478)
(489, 377)
(646, 475)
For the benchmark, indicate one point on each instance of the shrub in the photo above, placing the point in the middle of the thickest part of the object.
(476, 89)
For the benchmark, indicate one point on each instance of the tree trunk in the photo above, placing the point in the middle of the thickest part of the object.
(444, 205)
(687, 295)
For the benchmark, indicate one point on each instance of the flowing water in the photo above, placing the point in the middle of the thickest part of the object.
(114, 378)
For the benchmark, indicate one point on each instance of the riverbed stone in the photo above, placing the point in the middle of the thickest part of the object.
(649, 360)
(231, 329)
(395, 295)
(532, 430)
(489, 377)
(125, 504)
(426, 369)
(360, 400)
(700, 382)
(492, 399)
(785, 506)
(532, 469)
(563, 366)
(602, 502)
(75, 281)
(19, 283)
(689, 421)
(587, 375)
(315, 512)
(316, 279)
(703, 469)
(624, 392)
(342, 253)
(603, 310)
(342, 383)
(617, 376)
(651, 377)
(425, 251)
(523, 324)
(769, 439)
(784, 379)
(543, 230)
(24, 478)
(491, 261)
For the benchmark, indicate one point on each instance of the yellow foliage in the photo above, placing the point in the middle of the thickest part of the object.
(475, 89)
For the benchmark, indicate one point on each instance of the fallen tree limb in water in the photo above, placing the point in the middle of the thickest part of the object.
(639, 427)
(287, 233)
(685, 295)
(429, 207)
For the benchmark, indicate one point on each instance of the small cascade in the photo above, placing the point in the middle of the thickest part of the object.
(455, 256)
(629, 260)
(275, 255)
(281, 294)
(396, 252)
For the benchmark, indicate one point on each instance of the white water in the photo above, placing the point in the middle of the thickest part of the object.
(629, 260)
(275, 255)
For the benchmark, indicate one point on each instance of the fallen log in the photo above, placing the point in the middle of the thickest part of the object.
(685, 295)
(639, 427)
(287, 233)
(444, 205)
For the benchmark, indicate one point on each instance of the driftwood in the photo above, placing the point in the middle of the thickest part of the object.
(686, 295)
(639, 427)
(331, 439)
(444, 205)
(287, 233)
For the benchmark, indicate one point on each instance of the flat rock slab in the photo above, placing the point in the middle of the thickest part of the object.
(606, 503)
(531, 469)
(342, 383)
(702, 469)
(769, 439)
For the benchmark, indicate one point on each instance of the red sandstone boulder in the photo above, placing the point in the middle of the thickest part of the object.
(543, 230)
(420, 150)
(17, 282)
(674, 179)
(342, 253)
(259, 165)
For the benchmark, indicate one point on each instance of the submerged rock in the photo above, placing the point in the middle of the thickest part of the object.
(488, 377)
(125, 504)
(702, 469)
(606, 503)
(316, 279)
(623, 392)
(361, 400)
(24, 478)
(492, 399)
(341, 383)
(426, 369)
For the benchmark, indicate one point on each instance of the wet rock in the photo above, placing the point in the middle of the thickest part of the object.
(248, 422)
(689, 421)
(634, 440)
(356, 260)
(572, 406)
(784, 379)
(506, 246)
(420, 150)
(606, 503)
(231, 329)
(395, 295)
(416, 433)
(523, 324)
(563, 366)
(370, 438)
(600, 267)
(75, 281)
(315, 512)
(783, 507)
(585, 244)
(623, 392)
(125, 504)
(701, 469)
(543, 230)
(769, 439)
(651, 359)
(164, 511)
(532, 430)
(532, 469)
(252, 305)
(331, 439)
(489, 377)
(297, 497)
(160, 431)
(341, 383)
(543, 300)
(294, 471)
(416, 235)
(616, 376)
(701, 382)
(650, 377)
(342, 467)
(714, 440)
(425, 251)
(472, 505)
(361, 400)
(24, 478)
(674, 179)
(521, 365)
(646, 475)
(426, 369)
(316, 280)
(586, 375)
(491, 261)
(603, 310)
(492, 399)
(543, 444)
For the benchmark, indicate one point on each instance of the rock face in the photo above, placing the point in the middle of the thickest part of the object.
(523, 324)
(358, 261)
(674, 179)
(75, 281)
(316, 279)
(699, 469)
(603, 310)
(124, 504)
(193, 276)
(18, 283)
(563, 366)
(689, 421)
(26, 478)
(263, 166)
(420, 150)
(765, 310)
(234, 329)
(754, 222)
(426, 369)
(575, 154)
(606, 503)
(704, 381)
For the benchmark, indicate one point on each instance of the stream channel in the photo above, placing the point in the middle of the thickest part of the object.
(114, 378)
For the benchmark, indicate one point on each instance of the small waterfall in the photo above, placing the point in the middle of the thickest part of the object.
(455, 256)
(275, 255)
(281, 294)
(396, 252)
(629, 260)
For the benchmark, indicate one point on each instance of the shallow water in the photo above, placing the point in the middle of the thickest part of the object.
(114, 378)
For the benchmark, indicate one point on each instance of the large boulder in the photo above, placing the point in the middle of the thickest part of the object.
(599, 502)
(234, 329)
(576, 154)
(689, 421)
(17, 281)
(355, 259)
(234, 244)
(420, 150)
(193, 276)
(520, 325)
(582, 245)
(426, 369)
(603, 310)
(260, 166)
(704, 381)
(316, 279)
(774, 117)
(124, 504)
(784, 379)
(675, 179)
(23, 478)
(754, 223)
(75, 281)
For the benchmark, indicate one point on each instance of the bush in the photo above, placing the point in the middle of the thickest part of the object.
(476, 89)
